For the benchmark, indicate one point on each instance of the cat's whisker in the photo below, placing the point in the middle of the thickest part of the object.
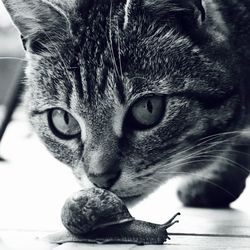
(179, 161)
(113, 57)
(200, 144)
(231, 150)
(202, 178)
(202, 156)
(201, 150)
(196, 175)
(146, 79)
(209, 140)
(119, 50)
(13, 58)
(184, 163)
(166, 171)
(155, 180)
(205, 158)
(196, 153)
(169, 166)
(233, 144)
(138, 77)
(236, 133)
(239, 143)
(111, 42)
(229, 162)
(183, 160)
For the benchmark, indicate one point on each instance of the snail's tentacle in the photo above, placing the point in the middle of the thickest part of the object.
(171, 222)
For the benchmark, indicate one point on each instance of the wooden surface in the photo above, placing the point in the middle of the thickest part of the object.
(33, 189)
(198, 228)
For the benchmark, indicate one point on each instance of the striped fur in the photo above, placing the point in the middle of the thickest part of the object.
(95, 58)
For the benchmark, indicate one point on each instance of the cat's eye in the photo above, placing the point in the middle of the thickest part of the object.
(147, 112)
(63, 124)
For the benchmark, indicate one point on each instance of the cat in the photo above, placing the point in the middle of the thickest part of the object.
(129, 93)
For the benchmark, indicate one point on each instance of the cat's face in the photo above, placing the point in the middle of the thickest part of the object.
(123, 93)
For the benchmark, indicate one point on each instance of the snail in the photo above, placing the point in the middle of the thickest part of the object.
(99, 216)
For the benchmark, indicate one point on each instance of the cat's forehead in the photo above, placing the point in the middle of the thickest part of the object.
(112, 62)
(112, 47)
(90, 12)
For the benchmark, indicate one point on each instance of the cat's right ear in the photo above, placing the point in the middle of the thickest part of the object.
(192, 11)
(37, 19)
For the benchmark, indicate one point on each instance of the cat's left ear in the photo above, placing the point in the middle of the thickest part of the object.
(37, 18)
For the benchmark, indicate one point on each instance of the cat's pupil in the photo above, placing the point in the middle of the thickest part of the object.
(150, 106)
(66, 118)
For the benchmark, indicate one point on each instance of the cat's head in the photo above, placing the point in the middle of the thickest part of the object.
(124, 91)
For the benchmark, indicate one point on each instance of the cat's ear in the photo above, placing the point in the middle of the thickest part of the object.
(192, 11)
(34, 17)
(196, 10)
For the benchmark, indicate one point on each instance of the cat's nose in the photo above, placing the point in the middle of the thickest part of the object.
(104, 180)
(101, 162)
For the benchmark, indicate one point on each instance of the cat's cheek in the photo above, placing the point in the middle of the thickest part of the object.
(64, 153)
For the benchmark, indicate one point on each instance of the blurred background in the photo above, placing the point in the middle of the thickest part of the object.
(10, 46)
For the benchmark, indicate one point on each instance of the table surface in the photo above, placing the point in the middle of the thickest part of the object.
(32, 191)
(202, 229)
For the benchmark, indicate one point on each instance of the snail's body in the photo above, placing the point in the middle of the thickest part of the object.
(99, 216)
(138, 232)
(134, 232)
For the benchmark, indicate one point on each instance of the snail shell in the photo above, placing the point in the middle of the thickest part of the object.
(97, 215)
(94, 208)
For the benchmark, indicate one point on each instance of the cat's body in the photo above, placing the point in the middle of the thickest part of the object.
(131, 93)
